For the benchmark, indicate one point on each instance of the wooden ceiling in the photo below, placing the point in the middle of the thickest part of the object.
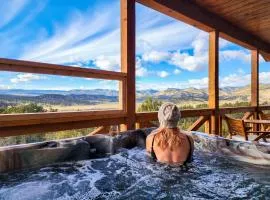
(244, 22)
(250, 15)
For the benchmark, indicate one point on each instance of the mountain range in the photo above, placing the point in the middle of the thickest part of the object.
(228, 94)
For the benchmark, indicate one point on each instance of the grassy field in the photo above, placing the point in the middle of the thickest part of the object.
(104, 106)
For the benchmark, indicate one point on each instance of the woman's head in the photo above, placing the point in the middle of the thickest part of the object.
(168, 115)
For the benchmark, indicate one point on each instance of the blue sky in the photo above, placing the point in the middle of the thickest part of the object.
(85, 33)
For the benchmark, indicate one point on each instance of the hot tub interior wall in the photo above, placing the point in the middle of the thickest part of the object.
(40, 154)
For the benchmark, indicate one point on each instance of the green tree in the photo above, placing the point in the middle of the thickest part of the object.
(149, 105)
(24, 108)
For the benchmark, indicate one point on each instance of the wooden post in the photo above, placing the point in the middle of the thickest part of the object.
(207, 126)
(213, 101)
(128, 62)
(255, 83)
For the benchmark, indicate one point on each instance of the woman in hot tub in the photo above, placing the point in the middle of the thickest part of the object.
(168, 144)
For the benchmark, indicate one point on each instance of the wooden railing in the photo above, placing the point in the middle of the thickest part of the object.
(204, 116)
(18, 124)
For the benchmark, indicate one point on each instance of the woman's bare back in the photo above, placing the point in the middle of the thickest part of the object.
(179, 155)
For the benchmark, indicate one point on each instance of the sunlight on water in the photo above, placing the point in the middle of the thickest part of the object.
(132, 175)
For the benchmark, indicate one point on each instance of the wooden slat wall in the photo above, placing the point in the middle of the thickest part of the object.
(251, 15)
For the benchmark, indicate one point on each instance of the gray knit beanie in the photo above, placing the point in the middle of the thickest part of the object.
(168, 115)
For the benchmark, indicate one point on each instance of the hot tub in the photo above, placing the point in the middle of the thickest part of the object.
(123, 170)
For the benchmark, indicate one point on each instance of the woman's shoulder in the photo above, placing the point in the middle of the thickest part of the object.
(188, 134)
(149, 140)
(154, 132)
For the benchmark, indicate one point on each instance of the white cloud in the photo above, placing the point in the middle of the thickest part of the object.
(76, 39)
(26, 78)
(111, 63)
(199, 59)
(183, 60)
(140, 70)
(227, 55)
(4, 87)
(10, 9)
(189, 62)
(232, 80)
(163, 74)
(177, 71)
(264, 77)
(156, 56)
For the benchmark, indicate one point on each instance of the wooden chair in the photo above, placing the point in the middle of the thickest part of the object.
(237, 127)
(264, 116)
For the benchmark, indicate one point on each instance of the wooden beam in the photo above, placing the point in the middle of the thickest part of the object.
(12, 120)
(255, 78)
(247, 115)
(128, 61)
(261, 108)
(207, 126)
(44, 68)
(213, 86)
(45, 128)
(230, 110)
(145, 124)
(195, 15)
(101, 130)
(197, 124)
(153, 116)
(255, 85)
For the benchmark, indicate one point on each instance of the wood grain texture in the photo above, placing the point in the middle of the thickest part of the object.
(45, 128)
(251, 15)
(236, 127)
(44, 68)
(197, 124)
(255, 78)
(13, 120)
(153, 116)
(128, 61)
(213, 82)
(255, 84)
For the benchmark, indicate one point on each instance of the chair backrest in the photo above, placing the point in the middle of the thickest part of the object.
(236, 126)
(264, 116)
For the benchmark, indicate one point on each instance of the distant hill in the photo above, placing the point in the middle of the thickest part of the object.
(20, 92)
(95, 96)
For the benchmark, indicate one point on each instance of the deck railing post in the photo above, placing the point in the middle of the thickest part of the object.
(128, 62)
(213, 87)
(255, 83)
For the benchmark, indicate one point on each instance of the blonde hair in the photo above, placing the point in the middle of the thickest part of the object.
(169, 138)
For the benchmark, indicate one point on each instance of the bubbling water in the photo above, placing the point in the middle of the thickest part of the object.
(131, 174)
